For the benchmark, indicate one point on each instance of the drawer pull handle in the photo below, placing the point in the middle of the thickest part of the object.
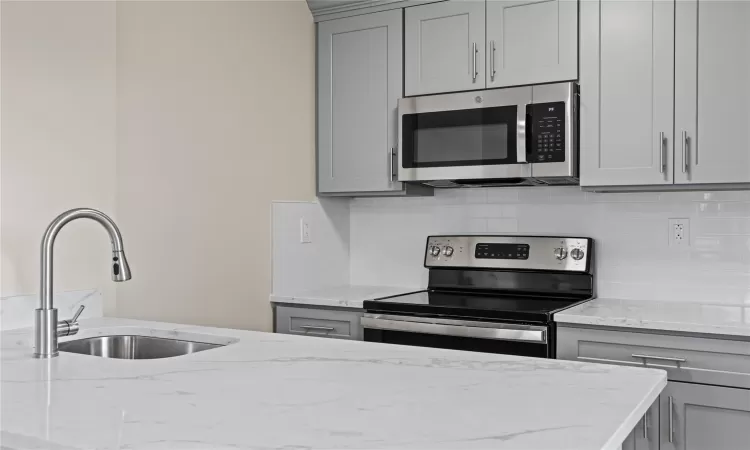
(658, 358)
(312, 328)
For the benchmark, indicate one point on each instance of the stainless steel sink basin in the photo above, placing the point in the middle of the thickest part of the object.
(134, 347)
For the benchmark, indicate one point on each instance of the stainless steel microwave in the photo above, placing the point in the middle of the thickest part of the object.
(502, 137)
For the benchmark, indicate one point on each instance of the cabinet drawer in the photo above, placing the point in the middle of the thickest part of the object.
(693, 359)
(319, 322)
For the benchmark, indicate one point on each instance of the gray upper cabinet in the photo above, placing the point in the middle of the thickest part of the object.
(359, 84)
(444, 47)
(712, 105)
(531, 41)
(699, 417)
(627, 92)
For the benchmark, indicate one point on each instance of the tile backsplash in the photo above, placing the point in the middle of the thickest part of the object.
(633, 261)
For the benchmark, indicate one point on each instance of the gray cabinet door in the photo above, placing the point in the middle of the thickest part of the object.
(359, 84)
(701, 417)
(531, 41)
(712, 104)
(645, 436)
(444, 47)
(627, 92)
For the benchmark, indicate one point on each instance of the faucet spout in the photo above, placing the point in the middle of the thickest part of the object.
(47, 326)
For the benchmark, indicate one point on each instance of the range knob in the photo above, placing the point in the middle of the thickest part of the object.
(561, 253)
(576, 254)
(435, 250)
(448, 251)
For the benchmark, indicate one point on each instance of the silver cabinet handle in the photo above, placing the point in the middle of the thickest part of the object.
(659, 358)
(662, 165)
(685, 161)
(474, 62)
(645, 426)
(392, 164)
(312, 328)
(492, 60)
(671, 420)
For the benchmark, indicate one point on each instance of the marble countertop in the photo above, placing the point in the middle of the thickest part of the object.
(342, 296)
(724, 319)
(273, 391)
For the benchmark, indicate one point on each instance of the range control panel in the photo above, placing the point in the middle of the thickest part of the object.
(546, 141)
(511, 252)
(501, 251)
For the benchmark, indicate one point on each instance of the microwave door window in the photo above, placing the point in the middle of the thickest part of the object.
(459, 145)
(460, 138)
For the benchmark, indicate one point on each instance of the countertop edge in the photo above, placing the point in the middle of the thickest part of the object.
(627, 427)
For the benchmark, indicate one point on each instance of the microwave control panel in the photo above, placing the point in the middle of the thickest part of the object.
(546, 142)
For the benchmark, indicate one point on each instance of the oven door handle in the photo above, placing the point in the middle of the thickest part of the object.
(460, 328)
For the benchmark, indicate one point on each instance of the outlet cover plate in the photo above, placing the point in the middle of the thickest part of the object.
(679, 232)
(305, 235)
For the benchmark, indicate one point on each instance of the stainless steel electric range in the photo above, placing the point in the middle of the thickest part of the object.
(494, 294)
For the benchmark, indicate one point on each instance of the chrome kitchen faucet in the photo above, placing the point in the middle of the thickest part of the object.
(48, 328)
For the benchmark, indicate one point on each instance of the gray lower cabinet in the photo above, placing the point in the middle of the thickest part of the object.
(360, 75)
(645, 436)
(706, 405)
(312, 321)
(700, 417)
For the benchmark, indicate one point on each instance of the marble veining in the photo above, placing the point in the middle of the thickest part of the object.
(723, 319)
(273, 391)
(342, 296)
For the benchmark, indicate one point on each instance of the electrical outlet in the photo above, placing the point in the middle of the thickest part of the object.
(305, 237)
(679, 232)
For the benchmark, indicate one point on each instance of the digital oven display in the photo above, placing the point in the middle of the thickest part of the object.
(501, 251)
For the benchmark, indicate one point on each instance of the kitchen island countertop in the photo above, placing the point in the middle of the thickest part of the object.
(273, 391)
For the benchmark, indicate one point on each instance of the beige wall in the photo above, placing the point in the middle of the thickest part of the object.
(57, 140)
(215, 118)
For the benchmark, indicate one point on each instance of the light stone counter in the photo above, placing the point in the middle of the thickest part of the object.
(724, 319)
(351, 296)
(273, 391)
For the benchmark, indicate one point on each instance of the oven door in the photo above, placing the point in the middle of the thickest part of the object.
(464, 136)
(454, 334)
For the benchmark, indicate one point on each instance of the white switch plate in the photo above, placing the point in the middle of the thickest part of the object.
(305, 237)
(679, 232)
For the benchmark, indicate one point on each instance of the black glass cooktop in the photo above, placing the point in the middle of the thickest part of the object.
(474, 305)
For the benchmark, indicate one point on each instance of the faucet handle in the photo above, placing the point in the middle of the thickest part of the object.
(69, 327)
(78, 313)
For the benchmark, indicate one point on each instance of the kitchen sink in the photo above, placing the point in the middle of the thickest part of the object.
(134, 347)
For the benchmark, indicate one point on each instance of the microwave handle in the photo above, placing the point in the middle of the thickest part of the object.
(523, 138)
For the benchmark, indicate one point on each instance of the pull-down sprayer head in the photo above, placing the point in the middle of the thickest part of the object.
(120, 267)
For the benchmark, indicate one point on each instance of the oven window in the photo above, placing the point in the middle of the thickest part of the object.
(468, 137)
(517, 348)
